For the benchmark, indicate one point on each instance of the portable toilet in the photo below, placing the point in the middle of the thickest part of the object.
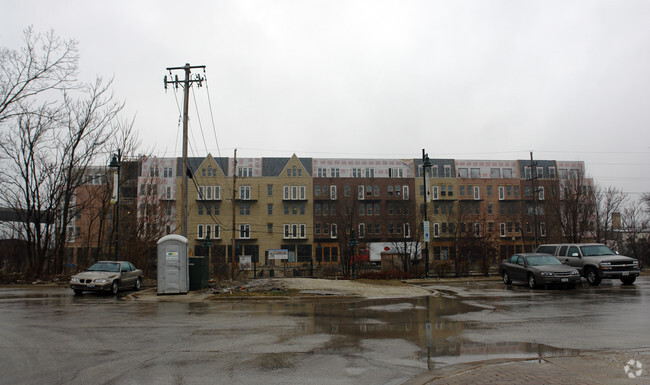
(173, 266)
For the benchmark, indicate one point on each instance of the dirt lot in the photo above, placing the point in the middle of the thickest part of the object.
(287, 288)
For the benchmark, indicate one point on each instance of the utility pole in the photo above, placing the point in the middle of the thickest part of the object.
(234, 204)
(533, 176)
(186, 83)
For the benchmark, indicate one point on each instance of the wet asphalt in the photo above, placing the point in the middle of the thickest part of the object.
(50, 336)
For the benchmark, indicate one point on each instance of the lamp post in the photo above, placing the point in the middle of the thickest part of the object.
(115, 199)
(426, 164)
(353, 243)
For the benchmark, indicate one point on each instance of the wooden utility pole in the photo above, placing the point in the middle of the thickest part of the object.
(234, 205)
(186, 83)
(533, 175)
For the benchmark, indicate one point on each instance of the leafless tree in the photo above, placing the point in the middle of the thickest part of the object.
(45, 63)
(574, 208)
(55, 128)
(635, 226)
(406, 235)
(608, 202)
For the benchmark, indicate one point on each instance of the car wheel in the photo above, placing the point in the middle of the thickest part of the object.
(592, 277)
(78, 291)
(506, 278)
(115, 287)
(628, 280)
(138, 284)
(531, 281)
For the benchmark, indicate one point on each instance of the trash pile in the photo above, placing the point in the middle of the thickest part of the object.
(258, 286)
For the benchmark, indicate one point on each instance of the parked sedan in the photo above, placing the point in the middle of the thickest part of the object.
(538, 269)
(107, 276)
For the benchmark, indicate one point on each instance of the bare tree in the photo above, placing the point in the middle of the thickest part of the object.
(574, 208)
(87, 125)
(403, 235)
(45, 63)
(29, 184)
(608, 202)
(635, 226)
(55, 128)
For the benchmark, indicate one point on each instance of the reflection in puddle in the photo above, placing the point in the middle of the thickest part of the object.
(426, 323)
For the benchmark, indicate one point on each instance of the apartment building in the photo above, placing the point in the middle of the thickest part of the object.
(311, 207)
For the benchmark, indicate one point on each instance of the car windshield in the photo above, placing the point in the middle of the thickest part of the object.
(112, 267)
(595, 250)
(542, 260)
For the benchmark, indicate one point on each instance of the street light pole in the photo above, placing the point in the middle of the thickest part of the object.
(116, 163)
(426, 164)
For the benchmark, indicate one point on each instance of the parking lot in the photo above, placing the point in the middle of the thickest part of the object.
(50, 335)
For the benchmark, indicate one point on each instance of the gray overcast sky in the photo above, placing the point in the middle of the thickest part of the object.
(569, 80)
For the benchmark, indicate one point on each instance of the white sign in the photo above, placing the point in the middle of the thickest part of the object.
(115, 195)
(245, 262)
(279, 254)
(425, 228)
(172, 256)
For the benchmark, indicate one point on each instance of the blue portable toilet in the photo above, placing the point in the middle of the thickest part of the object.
(173, 265)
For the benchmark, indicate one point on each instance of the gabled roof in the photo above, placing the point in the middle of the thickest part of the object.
(275, 166)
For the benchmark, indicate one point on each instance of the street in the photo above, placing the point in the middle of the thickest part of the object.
(50, 336)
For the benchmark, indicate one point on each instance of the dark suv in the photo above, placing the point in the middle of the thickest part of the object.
(595, 261)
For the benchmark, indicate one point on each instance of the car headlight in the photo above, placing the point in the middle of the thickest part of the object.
(575, 272)
(546, 274)
(74, 279)
(101, 280)
(635, 263)
(605, 265)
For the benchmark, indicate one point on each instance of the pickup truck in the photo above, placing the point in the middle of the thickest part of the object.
(594, 261)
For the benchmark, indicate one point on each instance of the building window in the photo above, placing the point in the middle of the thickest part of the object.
(540, 172)
(477, 193)
(507, 172)
(362, 230)
(269, 190)
(502, 228)
(333, 192)
(245, 192)
(245, 172)
(370, 173)
(551, 172)
(244, 209)
(541, 193)
(502, 193)
(447, 171)
(269, 208)
(527, 173)
(244, 231)
(475, 173)
(462, 173)
(335, 172)
(495, 173)
(405, 190)
(334, 231)
(436, 230)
